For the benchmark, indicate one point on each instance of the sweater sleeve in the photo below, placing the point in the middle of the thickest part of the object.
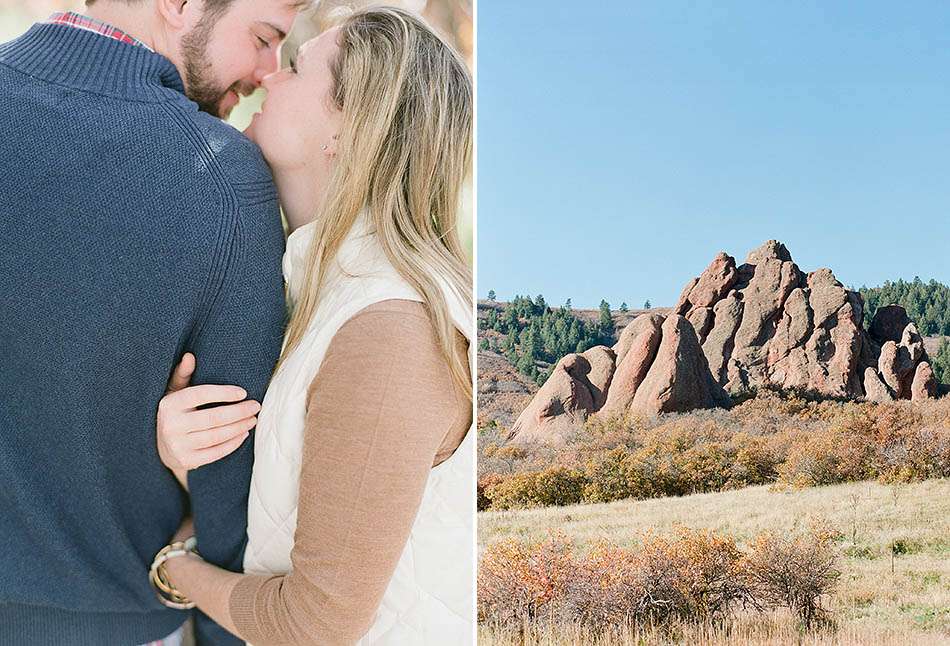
(379, 409)
(237, 342)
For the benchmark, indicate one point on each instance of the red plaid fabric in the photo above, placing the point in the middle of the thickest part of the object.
(73, 19)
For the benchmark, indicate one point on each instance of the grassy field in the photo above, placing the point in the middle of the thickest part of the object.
(895, 557)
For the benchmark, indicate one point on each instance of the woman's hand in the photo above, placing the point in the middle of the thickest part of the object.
(188, 437)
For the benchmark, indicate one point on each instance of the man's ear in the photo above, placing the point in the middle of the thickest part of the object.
(174, 12)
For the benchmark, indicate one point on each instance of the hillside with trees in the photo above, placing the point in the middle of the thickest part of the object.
(532, 335)
(927, 304)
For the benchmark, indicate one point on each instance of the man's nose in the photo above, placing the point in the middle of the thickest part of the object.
(268, 65)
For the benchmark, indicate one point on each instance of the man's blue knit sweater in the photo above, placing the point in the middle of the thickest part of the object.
(132, 228)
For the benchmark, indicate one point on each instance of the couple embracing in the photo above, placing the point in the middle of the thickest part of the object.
(150, 298)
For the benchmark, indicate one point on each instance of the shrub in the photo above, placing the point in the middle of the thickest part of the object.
(484, 484)
(755, 462)
(811, 462)
(608, 477)
(793, 572)
(553, 486)
(773, 436)
(519, 582)
(907, 453)
(689, 576)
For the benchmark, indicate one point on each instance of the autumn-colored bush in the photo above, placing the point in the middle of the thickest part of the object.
(773, 436)
(553, 486)
(688, 576)
(810, 462)
(794, 573)
(755, 462)
(482, 486)
(607, 477)
(519, 582)
(908, 453)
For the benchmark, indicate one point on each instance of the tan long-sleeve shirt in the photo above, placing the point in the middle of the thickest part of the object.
(382, 411)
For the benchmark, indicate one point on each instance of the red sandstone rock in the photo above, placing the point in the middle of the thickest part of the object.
(714, 283)
(560, 407)
(763, 323)
(679, 378)
(636, 350)
(924, 385)
(875, 390)
(601, 360)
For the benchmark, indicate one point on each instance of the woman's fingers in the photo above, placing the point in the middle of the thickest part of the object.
(181, 375)
(195, 396)
(220, 429)
(214, 436)
(204, 456)
(209, 418)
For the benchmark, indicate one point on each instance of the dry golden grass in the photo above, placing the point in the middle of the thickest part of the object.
(882, 597)
(772, 630)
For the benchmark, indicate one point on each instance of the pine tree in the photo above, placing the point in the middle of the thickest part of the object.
(491, 294)
(606, 324)
(646, 305)
(941, 361)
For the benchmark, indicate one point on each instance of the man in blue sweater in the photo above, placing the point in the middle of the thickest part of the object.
(135, 225)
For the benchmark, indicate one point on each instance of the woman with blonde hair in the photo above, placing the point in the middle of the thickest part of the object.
(360, 519)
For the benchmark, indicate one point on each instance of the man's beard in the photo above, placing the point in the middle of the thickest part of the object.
(202, 88)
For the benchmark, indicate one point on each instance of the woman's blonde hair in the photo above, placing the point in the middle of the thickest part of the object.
(404, 150)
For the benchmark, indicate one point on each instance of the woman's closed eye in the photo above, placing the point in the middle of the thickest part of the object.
(293, 63)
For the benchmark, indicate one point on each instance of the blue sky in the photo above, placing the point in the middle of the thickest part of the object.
(621, 147)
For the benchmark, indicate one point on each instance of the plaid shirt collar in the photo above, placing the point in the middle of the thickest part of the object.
(72, 19)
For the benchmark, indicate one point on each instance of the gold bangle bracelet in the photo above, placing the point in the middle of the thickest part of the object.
(158, 577)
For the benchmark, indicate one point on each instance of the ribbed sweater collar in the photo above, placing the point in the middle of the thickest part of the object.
(87, 61)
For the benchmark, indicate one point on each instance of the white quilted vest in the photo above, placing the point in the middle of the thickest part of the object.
(430, 599)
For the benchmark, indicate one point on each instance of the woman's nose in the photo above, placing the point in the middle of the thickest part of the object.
(268, 80)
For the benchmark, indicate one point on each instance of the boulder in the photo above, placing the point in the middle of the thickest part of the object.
(679, 378)
(635, 350)
(875, 390)
(714, 283)
(702, 319)
(772, 278)
(720, 340)
(560, 407)
(896, 369)
(601, 360)
(888, 324)
(788, 363)
(924, 385)
(911, 339)
(836, 348)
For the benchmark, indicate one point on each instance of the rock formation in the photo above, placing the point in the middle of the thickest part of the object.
(736, 328)
(678, 379)
(576, 385)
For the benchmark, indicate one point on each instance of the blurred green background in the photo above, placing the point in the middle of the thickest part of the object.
(452, 18)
